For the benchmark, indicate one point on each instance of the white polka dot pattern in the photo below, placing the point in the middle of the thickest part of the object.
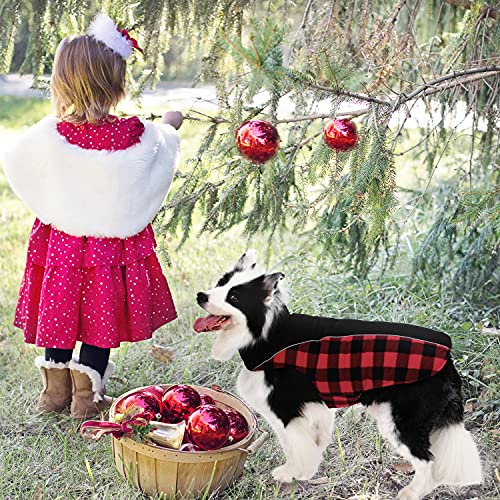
(120, 133)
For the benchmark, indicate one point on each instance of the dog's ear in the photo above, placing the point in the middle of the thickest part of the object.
(270, 283)
(247, 261)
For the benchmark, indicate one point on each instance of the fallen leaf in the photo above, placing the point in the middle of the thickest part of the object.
(162, 354)
(38, 493)
(405, 467)
(490, 331)
(469, 406)
(319, 480)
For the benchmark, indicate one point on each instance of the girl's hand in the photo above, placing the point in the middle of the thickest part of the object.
(173, 118)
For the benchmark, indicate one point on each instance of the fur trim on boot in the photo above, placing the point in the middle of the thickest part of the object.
(56, 392)
(89, 390)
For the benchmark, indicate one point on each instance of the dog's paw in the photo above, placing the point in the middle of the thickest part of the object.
(305, 476)
(408, 493)
(282, 474)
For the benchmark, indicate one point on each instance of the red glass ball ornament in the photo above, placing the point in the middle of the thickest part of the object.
(188, 445)
(206, 399)
(157, 390)
(209, 427)
(341, 135)
(146, 403)
(239, 425)
(179, 402)
(257, 140)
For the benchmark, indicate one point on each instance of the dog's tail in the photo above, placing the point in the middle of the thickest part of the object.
(456, 459)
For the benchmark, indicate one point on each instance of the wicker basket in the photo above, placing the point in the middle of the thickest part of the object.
(177, 474)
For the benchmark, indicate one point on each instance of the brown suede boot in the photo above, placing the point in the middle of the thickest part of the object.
(56, 392)
(89, 397)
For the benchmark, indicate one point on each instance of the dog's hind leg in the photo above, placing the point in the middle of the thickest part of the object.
(411, 440)
(456, 459)
(422, 483)
(304, 440)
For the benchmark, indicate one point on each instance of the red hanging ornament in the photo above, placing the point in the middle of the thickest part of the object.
(209, 427)
(341, 135)
(257, 140)
(179, 402)
(239, 425)
(206, 399)
(145, 404)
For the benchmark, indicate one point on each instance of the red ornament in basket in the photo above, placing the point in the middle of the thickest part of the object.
(209, 427)
(157, 390)
(206, 399)
(179, 402)
(238, 425)
(146, 404)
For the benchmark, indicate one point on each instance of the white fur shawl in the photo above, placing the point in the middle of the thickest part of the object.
(89, 192)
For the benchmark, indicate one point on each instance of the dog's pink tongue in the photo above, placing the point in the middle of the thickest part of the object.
(206, 324)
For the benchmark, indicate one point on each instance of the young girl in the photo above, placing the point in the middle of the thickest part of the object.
(94, 182)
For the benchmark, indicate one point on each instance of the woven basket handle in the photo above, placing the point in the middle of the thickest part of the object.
(256, 444)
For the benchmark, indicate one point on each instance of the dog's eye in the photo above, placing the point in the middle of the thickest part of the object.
(233, 298)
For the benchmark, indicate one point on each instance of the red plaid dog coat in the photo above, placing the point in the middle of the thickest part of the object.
(343, 367)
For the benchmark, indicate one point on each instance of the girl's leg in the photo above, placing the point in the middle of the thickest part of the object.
(54, 369)
(89, 376)
(95, 357)
(58, 355)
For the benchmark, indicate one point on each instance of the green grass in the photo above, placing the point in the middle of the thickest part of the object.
(22, 111)
(44, 456)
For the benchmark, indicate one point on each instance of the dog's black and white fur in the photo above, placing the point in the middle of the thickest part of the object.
(423, 420)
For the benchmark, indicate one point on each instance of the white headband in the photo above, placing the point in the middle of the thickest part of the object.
(104, 29)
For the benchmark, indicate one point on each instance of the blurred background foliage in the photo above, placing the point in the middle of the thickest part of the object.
(381, 63)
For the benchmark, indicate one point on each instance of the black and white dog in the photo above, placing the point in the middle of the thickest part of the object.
(423, 420)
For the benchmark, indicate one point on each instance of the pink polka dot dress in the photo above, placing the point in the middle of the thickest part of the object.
(101, 291)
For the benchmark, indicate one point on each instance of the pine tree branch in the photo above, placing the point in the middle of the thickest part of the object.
(304, 18)
(487, 11)
(209, 119)
(491, 69)
(426, 88)
(429, 88)
(192, 197)
(429, 91)
(307, 140)
(320, 116)
(361, 97)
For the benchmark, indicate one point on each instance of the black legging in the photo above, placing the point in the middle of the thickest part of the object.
(90, 355)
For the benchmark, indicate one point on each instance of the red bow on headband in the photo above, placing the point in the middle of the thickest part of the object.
(135, 45)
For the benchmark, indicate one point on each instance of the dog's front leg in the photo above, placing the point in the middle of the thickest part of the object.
(303, 451)
(304, 441)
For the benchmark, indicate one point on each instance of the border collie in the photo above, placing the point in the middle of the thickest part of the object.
(298, 368)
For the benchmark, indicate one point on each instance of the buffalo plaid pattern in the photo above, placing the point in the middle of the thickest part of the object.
(342, 368)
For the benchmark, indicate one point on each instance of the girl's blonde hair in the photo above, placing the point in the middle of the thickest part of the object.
(88, 80)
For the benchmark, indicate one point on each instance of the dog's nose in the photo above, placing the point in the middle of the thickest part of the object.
(202, 298)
